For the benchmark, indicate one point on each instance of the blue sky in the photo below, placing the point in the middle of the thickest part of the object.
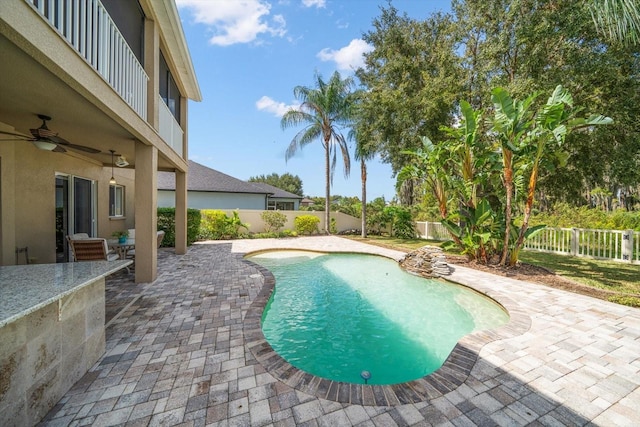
(249, 55)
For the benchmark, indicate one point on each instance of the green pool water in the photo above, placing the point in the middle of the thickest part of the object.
(337, 315)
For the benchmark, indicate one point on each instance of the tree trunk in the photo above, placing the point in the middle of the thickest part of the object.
(363, 177)
(533, 180)
(507, 156)
(327, 202)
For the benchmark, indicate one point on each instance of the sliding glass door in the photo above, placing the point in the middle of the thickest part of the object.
(75, 211)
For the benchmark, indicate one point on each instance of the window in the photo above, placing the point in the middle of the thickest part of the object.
(273, 205)
(116, 200)
(169, 89)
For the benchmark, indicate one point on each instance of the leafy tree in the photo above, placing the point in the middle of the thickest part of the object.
(419, 69)
(286, 182)
(324, 110)
(532, 46)
(411, 81)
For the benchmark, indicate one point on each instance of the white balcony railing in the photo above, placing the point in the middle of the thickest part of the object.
(87, 26)
(169, 129)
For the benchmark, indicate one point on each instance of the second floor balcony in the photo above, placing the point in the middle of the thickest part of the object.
(88, 27)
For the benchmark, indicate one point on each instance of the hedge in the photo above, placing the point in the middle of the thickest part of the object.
(166, 223)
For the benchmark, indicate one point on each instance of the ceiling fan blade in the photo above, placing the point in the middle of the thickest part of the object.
(62, 141)
(22, 135)
(57, 140)
(81, 148)
(59, 149)
(17, 139)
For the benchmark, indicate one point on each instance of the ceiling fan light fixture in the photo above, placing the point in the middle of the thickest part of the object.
(44, 145)
(112, 180)
(121, 162)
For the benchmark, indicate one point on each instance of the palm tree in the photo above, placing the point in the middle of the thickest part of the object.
(364, 153)
(618, 20)
(325, 110)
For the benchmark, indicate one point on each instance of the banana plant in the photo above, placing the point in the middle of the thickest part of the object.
(475, 230)
(429, 165)
(512, 122)
(529, 136)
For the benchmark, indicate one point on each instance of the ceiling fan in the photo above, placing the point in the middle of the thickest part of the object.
(46, 139)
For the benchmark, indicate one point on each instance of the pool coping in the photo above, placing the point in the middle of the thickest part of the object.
(454, 371)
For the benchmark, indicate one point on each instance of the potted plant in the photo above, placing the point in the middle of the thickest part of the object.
(121, 235)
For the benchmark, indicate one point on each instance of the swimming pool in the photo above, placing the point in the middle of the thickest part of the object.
(337, 316)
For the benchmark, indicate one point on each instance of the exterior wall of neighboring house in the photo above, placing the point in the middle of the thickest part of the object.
(283, 204)
(214, 200)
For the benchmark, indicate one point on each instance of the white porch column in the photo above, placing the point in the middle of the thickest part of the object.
(181, 213)
(146, 217)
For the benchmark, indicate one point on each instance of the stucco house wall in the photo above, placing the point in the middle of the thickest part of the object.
(209, 200)
(33, 173)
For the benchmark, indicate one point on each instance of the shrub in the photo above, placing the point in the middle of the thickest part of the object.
(306, 224)
(566, 216)
(274, 220)
(273, 234)
(402, 225)
(167, 223)
(216, 225)
(334, 226)
(627, 300)
(396, 219)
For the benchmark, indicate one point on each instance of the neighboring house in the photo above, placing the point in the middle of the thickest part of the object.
(112, 75)
(306, 202)
(211, 189)
(279, 199)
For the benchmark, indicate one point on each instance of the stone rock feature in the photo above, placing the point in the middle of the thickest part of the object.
(427, 261)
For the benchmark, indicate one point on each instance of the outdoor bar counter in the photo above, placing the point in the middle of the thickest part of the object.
(51, 332)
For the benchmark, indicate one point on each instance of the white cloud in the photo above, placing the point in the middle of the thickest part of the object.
(314, 3)
(349, 57)
(237, 21)
(277, 108)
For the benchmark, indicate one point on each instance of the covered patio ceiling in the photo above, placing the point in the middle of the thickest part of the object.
(28, 89)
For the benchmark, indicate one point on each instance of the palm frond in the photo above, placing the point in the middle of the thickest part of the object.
(618, 20)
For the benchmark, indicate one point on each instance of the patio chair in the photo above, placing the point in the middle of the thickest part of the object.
(92, 249)
(24, 251)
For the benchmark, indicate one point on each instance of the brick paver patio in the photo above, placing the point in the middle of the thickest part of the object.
(182, 351)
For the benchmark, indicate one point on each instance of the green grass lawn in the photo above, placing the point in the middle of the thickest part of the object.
(612, 276)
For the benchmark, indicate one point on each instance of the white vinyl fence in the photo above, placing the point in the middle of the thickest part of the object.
(615, 245)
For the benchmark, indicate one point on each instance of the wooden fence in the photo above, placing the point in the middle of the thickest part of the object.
(614, 245)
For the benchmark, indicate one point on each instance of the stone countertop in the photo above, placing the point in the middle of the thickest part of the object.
(26, 288)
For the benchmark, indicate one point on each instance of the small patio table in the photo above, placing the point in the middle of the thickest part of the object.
(122, 248)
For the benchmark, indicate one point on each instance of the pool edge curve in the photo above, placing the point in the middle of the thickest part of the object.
(453, 372)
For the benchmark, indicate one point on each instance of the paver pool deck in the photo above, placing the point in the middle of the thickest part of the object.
(184, 350)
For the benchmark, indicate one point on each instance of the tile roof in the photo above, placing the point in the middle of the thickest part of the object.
(202, 178)
(276, 192)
